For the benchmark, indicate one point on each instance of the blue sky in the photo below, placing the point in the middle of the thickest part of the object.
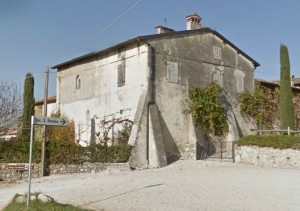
(39, 33)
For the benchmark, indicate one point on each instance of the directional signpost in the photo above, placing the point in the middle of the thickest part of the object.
(49, 121)
(40, 121)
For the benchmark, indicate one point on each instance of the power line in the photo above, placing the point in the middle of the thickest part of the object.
(94, 36)
(107, 27)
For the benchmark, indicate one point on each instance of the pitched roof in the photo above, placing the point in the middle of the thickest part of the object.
(296, 81)
(202, 30)
(10, 131)
(51, 99)
(274, 84)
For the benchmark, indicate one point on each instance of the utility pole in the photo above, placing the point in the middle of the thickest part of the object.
(44, 126)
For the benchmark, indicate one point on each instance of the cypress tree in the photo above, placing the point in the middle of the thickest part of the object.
(28, 106)
(286, 107)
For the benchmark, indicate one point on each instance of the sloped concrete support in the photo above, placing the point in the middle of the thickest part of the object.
(190, 152)
(198, 142)
(147, 139)
(157, 155)
(138, 137)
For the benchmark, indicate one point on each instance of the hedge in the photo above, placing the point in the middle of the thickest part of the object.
(62, 152)
(274, 141)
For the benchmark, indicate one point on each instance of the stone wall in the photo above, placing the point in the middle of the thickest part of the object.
(265, 156)
(11, 175)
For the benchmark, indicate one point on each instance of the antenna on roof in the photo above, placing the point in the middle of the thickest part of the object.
(165, 20)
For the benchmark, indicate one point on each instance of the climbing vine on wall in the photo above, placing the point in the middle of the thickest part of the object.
(262, 106)
(207, 110)
(115, 137)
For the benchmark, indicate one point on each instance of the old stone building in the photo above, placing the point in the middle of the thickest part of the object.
(146, 80)
(39, 106)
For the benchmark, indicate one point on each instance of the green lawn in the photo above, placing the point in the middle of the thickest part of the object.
(37, 205)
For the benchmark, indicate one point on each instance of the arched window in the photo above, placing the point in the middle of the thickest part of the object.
(88, 117)
(77, 82)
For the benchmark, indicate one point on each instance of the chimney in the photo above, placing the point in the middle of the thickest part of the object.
(193, 22)
(163, 29)
(292, 79)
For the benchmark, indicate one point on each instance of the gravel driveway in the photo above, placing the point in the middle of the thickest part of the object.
(183, 185)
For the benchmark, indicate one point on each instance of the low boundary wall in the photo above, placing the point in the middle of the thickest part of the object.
(10, 175)
(266, 156)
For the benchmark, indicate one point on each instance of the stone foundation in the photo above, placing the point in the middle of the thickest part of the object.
(265, 156)
(189, 152)
(11, 175)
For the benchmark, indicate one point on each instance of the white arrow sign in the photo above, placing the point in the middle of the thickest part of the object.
(49, 121)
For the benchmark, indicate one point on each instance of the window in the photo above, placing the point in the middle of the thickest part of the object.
(239, 77)
(77, 82)
(172, 72)
(121, 75)
(217, 53)
(218, 77)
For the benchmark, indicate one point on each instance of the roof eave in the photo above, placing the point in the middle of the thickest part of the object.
(155, 36)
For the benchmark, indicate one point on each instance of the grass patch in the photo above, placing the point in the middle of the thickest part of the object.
(274, 141)
(37, 205)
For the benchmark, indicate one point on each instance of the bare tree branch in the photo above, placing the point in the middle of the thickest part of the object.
(10, 105)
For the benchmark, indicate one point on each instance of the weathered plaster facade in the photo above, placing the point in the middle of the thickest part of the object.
(197, 66)
(159, 70)
(99, 95)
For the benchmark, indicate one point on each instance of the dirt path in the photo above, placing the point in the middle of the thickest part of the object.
(184, 185)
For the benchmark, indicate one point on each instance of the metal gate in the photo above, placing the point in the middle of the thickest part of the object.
(219, 150)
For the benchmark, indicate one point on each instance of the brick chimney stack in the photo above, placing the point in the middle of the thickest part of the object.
(193, 22)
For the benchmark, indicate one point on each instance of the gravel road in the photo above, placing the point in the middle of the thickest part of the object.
(183, 185)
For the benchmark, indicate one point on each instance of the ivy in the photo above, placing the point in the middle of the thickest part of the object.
(207, 110)
(262, 106)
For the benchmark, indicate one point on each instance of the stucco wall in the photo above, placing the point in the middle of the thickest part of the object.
(51, 107)
(99, 96)
(199, 59)
(196, 67)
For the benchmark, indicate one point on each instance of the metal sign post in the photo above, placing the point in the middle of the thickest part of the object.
(30, 160)
(40, 121)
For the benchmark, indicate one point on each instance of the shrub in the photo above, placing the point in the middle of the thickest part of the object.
(122, 136)
(262, 105)
(63, 152)
(99, 153)
(275, 141)
(18, 151)
(207, 110)
(55, 133)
